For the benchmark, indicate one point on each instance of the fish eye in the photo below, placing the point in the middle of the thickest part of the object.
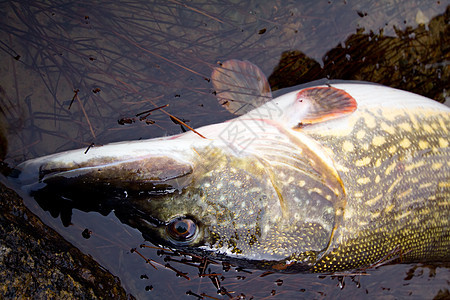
(182, 229)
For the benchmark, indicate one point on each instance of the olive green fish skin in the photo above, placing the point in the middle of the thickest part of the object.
(395, 166)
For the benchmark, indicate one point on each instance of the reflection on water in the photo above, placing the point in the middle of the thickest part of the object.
(117, 60)
(416, 59)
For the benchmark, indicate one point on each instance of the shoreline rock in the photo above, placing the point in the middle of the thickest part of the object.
(37, 262)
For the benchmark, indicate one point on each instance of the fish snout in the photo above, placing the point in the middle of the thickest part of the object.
(133, 171)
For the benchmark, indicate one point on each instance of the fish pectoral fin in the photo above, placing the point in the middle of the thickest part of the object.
(240, 86)
(320, 104)
(308, 185)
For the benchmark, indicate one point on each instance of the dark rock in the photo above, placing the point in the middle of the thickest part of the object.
(36, 262)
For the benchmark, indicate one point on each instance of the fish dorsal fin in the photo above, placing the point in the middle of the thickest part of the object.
(320, 104)
(240, 86)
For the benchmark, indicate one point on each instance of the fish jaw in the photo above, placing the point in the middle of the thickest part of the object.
(133, 164)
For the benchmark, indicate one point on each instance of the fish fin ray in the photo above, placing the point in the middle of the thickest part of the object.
(240, 86)
(322, 104)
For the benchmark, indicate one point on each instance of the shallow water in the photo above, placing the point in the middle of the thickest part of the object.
(123, 59)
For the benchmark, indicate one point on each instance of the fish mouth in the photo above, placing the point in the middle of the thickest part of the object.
(155, 165)
(154, 173)
(62, 182)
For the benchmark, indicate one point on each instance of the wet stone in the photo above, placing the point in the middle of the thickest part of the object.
(36, 262)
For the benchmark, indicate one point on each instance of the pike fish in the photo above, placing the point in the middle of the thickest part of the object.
(324, 179)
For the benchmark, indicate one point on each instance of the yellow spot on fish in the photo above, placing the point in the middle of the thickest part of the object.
(363, 161)
(301, 183)
(405, 126)
(341, 168)
(237, 183)
(405, 214)
(423, 144)
(436, 166)
(376, 214)
(374, 200)
(377, 179)
(360, 134)
(394, 184)
(444, 184)
(348, 146)
(363, 180)
(389, 129)
(405, 193)
(358, 194)
(405, 143)
(378, 162)
(428, 128)
(425, 185)
(378, 140)
(370, 121)
(443, 143)
(392, 149)
(390, 168)
(316, 190)
(414, 166)
(389, 208)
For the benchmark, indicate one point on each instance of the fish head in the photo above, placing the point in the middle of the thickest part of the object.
(230, 208)
(201, 197)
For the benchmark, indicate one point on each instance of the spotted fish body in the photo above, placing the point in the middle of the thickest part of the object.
(392, 155)
(391, 190)
(294, 185)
